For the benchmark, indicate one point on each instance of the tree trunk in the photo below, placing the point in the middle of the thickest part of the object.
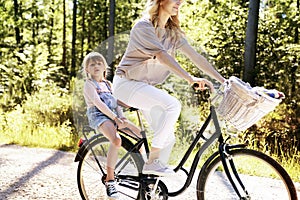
(83, 31)
(16, 18)
(250, 45)
(50, 36)
(111, 30)
(297, 28)
(64, 42)
(73, 65)
(90, 27)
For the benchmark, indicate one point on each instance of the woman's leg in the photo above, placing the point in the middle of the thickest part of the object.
(160, 109)
(110, 132)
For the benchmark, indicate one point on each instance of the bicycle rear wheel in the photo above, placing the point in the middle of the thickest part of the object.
(262, 177)
(90, 177)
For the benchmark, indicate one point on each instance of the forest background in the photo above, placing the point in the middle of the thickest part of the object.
(42, 45)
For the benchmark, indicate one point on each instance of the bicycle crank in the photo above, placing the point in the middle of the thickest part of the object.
(154, 189)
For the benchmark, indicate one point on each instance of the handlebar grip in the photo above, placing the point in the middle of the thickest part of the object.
(195, 85)
(131, 109)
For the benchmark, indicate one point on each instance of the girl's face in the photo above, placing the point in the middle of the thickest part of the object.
(96, 68)
(170, 7)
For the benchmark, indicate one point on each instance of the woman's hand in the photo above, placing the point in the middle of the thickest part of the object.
(202, 84)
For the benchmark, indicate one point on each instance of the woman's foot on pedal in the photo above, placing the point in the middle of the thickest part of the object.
(157, 168)
(111, 190)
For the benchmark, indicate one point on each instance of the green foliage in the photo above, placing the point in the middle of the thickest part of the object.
(277, 132)
(35, 58)
(220, 26)
(278, 51)
(25, 73)
(50, 105)
(42, 120)
(78, 104)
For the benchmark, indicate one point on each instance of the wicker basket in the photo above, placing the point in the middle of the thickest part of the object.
(242, 106)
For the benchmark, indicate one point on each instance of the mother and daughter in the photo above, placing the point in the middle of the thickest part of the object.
(149, 59)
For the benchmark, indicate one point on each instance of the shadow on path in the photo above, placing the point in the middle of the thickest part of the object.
(20, 182)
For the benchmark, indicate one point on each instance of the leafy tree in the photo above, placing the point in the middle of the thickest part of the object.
(42, 43)
(220, 26)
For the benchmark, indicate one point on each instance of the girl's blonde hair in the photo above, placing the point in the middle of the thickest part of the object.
(173, 23)
(93, 56)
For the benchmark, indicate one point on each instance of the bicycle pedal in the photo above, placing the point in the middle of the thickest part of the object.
(134, 186)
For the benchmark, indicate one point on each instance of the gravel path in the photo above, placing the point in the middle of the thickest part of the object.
(36, 173)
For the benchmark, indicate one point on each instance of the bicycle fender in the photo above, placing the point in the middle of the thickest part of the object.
(235, 146)
(217, 153)
(84, 146)
(208, 161)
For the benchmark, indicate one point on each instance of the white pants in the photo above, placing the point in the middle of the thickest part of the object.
(160, 110)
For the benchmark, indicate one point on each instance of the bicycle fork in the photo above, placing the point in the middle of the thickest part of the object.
(225, 155)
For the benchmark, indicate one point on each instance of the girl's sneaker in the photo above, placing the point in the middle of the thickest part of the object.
(111, 190)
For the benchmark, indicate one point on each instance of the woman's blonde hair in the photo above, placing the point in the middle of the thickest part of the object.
(93, 56)
(173, 23)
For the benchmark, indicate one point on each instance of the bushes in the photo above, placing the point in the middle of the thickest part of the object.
(278, 132)
(44, 119)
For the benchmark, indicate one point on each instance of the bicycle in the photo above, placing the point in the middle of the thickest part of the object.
(222, 176)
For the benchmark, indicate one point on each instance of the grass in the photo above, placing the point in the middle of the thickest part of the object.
(251, 168)
(291, 166)
(61, 138)
(17, 128)
(44, 136)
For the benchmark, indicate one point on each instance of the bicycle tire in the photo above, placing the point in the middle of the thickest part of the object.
(90, 179)
(268, 179)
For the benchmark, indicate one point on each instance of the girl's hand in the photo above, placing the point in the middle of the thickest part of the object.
(121, 122)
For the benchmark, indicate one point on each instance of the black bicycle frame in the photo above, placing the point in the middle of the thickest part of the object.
(209, 141)
(223, 151)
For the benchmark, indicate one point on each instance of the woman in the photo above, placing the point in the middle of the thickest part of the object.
(148, 60)
(103, 113)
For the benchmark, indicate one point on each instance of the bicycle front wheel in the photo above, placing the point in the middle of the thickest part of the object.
(91, 171)
(261, 176)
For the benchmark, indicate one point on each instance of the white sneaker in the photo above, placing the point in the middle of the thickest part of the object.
(111, 190)
(157, 168)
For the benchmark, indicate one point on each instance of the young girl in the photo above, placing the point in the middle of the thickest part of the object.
(148, 61)
(103, 112)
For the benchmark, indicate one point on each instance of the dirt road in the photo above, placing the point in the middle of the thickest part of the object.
(36, 173)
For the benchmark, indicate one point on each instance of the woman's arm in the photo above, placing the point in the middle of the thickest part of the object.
(169, 61)
(201, 62)
(166, 59)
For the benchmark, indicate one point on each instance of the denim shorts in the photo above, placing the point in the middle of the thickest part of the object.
(95, 117)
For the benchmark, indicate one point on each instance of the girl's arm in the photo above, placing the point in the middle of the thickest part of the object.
(121, 103)
(92, 96)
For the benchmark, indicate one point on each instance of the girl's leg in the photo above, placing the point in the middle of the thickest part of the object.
(109, 130)
(132, 129)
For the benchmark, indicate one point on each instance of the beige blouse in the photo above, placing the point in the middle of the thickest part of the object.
(139, 61)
